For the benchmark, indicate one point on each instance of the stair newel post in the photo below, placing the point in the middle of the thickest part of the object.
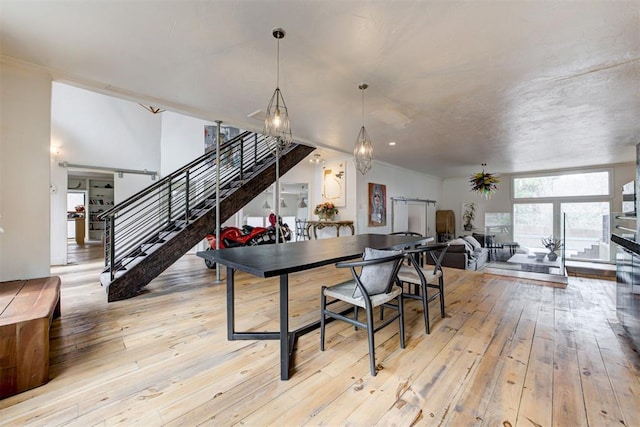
(186, 197)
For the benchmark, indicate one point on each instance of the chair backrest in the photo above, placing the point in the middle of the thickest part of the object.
(436, 252)
(379, 271)
(301, 228)
(405, 233)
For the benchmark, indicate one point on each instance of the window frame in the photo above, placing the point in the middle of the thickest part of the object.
(600, 197)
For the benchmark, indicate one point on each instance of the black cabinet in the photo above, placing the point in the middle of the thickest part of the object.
(628, 293)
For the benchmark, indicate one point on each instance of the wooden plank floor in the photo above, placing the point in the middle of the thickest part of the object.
(510, 352)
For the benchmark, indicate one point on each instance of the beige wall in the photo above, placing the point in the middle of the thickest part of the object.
(25, 117)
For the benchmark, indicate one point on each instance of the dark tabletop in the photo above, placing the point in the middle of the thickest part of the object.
(274, 260)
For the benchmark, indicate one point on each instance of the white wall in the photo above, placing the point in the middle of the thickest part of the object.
(93, 129)
(182, 140)
(25, 117)
(399, 183)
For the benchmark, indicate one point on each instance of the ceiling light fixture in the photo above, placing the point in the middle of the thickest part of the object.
(363, 151)
(484, 183)
(277, 127)
(317, 159)
(276, 122)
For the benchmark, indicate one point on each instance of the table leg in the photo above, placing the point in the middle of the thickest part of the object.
(230, 304)
(285, 351)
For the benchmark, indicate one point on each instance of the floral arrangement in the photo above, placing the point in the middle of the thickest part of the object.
(484, 183)
(325, 209)
(551, 243)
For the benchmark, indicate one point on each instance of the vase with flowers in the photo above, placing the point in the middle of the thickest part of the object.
(326, 210)
(552, 245)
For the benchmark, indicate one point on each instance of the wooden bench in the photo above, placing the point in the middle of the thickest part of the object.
(27, 308)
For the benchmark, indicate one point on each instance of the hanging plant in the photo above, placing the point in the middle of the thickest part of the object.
(484, 183)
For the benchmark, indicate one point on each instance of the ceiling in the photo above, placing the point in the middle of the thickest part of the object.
(521, 86)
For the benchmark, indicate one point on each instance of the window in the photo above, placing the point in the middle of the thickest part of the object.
(565, 185)
(574, 207)
(532, 222)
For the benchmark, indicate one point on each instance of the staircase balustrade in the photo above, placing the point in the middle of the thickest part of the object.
(144, 221)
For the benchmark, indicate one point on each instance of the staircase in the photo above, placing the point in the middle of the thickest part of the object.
(592, 252)
(148, 232)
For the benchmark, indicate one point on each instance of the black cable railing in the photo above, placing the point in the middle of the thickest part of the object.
(151, 215)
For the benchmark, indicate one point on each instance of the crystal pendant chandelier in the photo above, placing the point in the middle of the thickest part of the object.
(363, 151)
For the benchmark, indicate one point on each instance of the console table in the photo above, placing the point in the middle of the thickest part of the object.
(315, 225)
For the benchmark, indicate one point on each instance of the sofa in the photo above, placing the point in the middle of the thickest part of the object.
(466, 253)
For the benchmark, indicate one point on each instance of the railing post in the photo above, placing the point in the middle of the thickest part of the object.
(255, 149)
(242, 161)
(186, 197)
(169, 200)
(112, 246)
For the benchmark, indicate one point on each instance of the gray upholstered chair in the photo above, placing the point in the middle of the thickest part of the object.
(375, 285)
(419, 279)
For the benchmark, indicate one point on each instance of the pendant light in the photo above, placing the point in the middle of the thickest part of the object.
(276, 122)
(363, 151)
(277, 127)
(484, 183)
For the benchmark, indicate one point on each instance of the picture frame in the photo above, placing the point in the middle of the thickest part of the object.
(334, 184)
(377, 205)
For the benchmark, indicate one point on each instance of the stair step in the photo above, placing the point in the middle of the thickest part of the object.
(149, 248)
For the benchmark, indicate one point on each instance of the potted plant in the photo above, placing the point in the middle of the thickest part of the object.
(326, 210)
(552, 245)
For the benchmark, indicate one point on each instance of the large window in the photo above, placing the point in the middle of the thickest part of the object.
(573, 206)
(532, 222)
(565, 185)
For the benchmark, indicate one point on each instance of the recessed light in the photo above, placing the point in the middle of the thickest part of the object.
(392, 143)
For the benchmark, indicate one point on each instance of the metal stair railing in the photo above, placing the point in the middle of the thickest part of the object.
(149, 216)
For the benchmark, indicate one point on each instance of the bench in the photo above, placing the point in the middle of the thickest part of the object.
(27, 308)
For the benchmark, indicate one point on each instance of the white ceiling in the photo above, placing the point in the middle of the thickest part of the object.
(518, 85)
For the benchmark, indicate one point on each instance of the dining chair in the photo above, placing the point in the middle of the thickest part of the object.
(375, 284)
(301, 230)
(424, 279)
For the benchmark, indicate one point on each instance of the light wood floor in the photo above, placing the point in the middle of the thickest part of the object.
(510, 352)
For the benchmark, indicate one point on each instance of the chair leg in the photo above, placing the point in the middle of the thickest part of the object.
(401, 319)
(441, 283)
(355, 316)
(372, 354)
(425, 309)
(323, 305)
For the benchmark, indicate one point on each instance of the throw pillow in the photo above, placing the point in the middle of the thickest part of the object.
(473, 241)
(460, 241)
(375, 278)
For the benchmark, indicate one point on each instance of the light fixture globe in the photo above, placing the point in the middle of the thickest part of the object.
(363, 150)
(276, 123)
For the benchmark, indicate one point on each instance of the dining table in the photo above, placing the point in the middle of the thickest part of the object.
(280, 260)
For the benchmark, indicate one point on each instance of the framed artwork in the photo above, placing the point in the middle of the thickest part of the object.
(334, 184)
(377, 205)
